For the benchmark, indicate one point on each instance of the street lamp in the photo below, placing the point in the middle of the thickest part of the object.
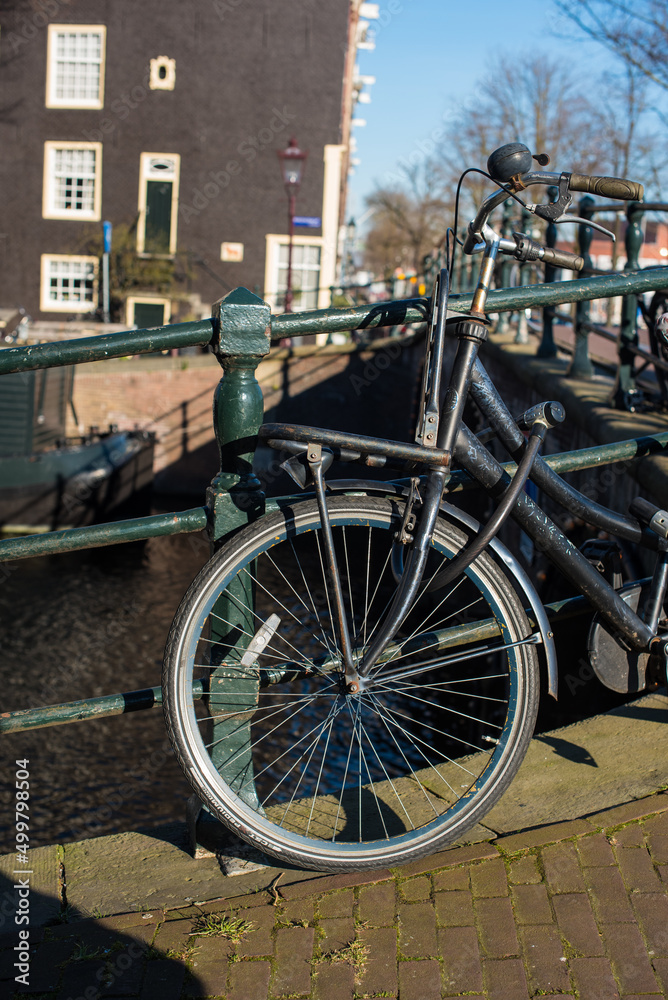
(292, 160)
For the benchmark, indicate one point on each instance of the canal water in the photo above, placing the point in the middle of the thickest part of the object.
(85, 624)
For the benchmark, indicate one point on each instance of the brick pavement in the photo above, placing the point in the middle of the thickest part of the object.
(577, 909)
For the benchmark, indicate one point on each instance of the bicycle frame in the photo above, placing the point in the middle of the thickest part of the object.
(442, 436)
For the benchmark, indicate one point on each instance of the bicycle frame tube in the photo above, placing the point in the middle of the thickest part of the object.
(479, 463)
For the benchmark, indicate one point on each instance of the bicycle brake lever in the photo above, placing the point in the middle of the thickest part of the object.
(587, 222)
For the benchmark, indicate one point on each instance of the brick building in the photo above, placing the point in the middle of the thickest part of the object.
(164, 118)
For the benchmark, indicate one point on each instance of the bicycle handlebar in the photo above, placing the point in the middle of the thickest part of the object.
(609, 187)
(562, 258)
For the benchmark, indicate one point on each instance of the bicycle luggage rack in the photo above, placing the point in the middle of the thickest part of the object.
(241, 332)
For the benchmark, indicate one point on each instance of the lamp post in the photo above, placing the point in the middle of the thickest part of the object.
(292, 160)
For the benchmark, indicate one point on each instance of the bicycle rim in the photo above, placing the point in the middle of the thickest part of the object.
(293, 763)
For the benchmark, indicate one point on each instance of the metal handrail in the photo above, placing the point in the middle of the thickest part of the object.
(240, 334)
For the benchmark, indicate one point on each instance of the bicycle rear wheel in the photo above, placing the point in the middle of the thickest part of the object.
(304, 770)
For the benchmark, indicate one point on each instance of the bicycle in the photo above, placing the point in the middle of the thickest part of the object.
(351, 682)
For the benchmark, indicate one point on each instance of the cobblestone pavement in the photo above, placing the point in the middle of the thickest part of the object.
(579, 908)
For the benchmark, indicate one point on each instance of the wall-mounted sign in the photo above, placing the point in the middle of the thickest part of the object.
(232, 253)
(307, 221)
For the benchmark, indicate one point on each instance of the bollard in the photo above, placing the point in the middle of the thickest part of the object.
(548, 348)
(625, 395)
(581, 366)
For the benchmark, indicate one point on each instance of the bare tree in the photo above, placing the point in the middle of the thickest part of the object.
(409, 218)
(634, 30)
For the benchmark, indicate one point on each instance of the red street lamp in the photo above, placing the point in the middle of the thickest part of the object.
(292, 160)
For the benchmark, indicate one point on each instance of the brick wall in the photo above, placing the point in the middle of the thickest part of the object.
(368, 392)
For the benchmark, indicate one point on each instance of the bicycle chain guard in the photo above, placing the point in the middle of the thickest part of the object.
(617, 667)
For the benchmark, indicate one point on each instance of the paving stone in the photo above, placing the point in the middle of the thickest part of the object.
(608, 895)
(377, 903)
(637, 869)
(208, 967)
(258, 941)
(163, 978)
(462, 971)
(249, 981)
(332, 981)
(524, 870)
(292, 970)
(531, 904)
(329, 883)
(173, 935)
(505, 980)
(544, 958)
(628, 836)
(124, 972)
(628, 811)
(454, 856)
(453, 878)
(663, 872)
(595, 851)
(415, 890)
(544, 835)
(419, 980)
(297, 911)
(593, 978)
(79, 976)
(657, 824)
(417, 930)
(496, 925)
(454, 908)
(489, 878)
(44, 958)
(628, 958)
(661, 970)
(577, 924)
(658, 847)
(562, 868)
(337, 904)
(338, 932)
(380, 971)
(652, 912)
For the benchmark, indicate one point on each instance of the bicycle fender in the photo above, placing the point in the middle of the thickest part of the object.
(505, 556)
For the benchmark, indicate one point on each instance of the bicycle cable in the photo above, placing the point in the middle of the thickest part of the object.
(484, 173)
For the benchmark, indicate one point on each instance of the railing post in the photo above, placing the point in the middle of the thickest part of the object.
(506, 265)
(625, 390)
(581, 366)
(548, 348)
(242, 337)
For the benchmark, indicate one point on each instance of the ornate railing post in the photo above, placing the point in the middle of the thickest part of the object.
(581, 366)
(506, 265)
(548, 348)
(625, 391)
(242, 337)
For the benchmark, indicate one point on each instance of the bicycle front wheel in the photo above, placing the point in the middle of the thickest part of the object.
(278, 748)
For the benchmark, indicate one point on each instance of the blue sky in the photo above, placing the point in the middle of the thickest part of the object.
(429, 55)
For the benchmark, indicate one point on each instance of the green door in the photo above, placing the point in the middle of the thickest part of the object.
(158, 216)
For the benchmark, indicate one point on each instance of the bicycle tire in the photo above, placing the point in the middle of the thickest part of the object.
(368, 780)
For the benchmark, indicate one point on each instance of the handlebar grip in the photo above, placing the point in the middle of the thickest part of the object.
(562, 258)
(609, 187)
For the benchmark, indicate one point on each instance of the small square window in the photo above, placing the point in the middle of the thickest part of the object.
(69, 284)
(75, 66)
(72, 180)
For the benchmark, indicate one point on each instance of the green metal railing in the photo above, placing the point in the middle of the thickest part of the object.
(240, 333)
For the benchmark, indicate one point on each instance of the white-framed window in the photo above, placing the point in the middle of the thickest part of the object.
(75, 65)
(162, 73)
(69, 283)
(158, 204)
(306, 264)
(72, 180)
(146, 311)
